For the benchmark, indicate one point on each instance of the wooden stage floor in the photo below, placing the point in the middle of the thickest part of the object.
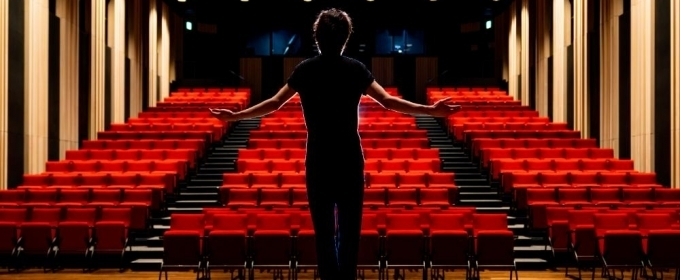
(114, 274)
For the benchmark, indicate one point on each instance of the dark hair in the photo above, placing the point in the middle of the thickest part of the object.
(331, 31)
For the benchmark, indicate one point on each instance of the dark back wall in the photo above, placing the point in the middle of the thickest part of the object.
(209, 55)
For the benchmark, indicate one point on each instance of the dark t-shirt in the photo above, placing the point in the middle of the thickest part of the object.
(330, 88)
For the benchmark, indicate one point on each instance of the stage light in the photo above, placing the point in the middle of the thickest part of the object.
(244, 0)
(488, 24)
(189, 25)
(308, 0)
(181, 0)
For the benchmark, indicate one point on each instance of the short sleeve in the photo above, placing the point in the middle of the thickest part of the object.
(366, 78)
(296, 77)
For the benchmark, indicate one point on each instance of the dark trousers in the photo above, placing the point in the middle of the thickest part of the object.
(328, 189)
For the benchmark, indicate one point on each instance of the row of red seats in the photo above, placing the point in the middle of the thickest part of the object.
(196, 146)
(198, 97)
(183, 157)
(458, 92)
(363, 126)
(371, 166)
(538, 199)
(189, 108)
(369, 134)
(491, 156)
(519, 183)
(469, 136)
(47, 232)
(479, 146)
(389, 241)
(235, 198)
(370, 153)
(205, 136)
(617, 238)
(210, 89)
(373, 180)
(501, 167)
(301, 143)
(462, 120)
(297, 113)
(477, 88)
(215, 132)
(364, 120)
(460, 129)
(493, 112)
(236, 103)
(162, 121)
(140, 200)
(204, 114)
(171, 168)
(462, 97)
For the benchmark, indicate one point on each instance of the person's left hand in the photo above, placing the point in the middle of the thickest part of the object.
(224, 115)
(441, 110)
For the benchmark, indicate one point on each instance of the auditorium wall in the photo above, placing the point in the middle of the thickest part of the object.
(609, 69)
(68, 68)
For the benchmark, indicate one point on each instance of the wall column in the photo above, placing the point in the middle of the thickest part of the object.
(525, 39)
(560, 33)
(35, 85)
(4, 46)
(134, 54)
(675, 94)
(581, 83)
(164, 53)
(610, 10)
(513, 52)
(543, 52)
(153, 52)
(67, 11)
(642, 84)
(116, 41)
(97, 67)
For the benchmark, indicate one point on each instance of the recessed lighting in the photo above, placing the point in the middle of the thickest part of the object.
(308, 0)
(244, 0)
(181, 0)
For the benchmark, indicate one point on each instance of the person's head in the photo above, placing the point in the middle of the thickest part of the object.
(331, 31)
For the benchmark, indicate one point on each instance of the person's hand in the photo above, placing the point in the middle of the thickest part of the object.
(224, 115)
(441, 110)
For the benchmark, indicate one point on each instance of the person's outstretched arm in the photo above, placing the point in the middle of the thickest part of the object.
(439, 109)
(263, 108)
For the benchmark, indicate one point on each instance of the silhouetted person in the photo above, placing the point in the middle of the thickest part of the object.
(330, 87)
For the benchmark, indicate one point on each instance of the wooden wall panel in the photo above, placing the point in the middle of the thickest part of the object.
(36, 81)
(251, 70)
(289, 64)
(4, 51)
(675, 94)
(642, 84)
(426, 69)
(383, 70)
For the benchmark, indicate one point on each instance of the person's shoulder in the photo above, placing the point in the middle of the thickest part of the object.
(353, 61)
(309, 60)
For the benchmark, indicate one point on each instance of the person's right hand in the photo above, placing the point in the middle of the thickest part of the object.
(224, 115)
(441, 110)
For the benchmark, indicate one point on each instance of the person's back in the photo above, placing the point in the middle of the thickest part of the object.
(330, 88)
(336, 80)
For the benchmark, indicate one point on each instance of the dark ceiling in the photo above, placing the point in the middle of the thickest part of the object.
(293, 13)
